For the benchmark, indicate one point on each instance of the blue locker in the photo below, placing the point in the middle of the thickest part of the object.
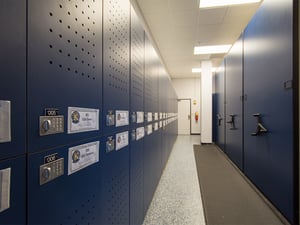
(16, 213)
(64, 70)
(268, 73)
(116, 61)
(150, 140)
(13, 78)
(234, 103)
(73, 197)
(115, 186)
(219, 115)
(137, 120)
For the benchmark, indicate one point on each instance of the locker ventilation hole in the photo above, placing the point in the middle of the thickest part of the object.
(84, 214)
(73, 31)
(116, 42)
(117, 189)
(137, 61)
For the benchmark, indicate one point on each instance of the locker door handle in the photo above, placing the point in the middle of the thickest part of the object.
(232, 122)
(260, 129)
(189, 117)
(219, 119)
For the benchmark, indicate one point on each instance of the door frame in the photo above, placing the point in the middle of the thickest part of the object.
(190, 100)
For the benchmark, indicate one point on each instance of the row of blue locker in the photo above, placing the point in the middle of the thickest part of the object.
(88, 115)
(256, 103)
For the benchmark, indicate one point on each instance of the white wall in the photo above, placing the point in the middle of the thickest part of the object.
(206, 100)
(190, 88)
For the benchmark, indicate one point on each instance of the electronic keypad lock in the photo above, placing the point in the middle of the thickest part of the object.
(110, 119)
(110, 144)
(51, 122)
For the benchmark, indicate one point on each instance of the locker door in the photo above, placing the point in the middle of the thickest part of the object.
(13, 211)
(65, 184)
(13, 77)
(116, 61)
(219, 116)
(137, 120)
(268, 66)
(234, 104)
(64, 72)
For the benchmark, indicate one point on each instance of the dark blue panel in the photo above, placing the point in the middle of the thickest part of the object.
(219, 115)
(116, 40)
(64, 64)
(150, 173)
(137, 182)
(13, 72)
(234, 103)
(73, 199)
(16, 213)
(268, 64)
(137, 105)
(115, 193)
(137, 64)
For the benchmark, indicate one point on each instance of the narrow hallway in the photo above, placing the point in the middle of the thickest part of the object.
(178, 202)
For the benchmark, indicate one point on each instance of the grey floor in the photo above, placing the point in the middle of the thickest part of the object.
(177, 200)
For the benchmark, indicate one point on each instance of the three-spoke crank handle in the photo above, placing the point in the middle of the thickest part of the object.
(219, 119)
(260, 128)
(232, 121)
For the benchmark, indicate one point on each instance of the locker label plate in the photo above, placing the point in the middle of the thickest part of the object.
(121, 140)
(149, 129)
(5, 175)
(122, 118)
(156, 126)
(5, 121)
(140, 133)
(82, 120)
(140, 117)
(155, 116)
(82, 156)
(149, 116)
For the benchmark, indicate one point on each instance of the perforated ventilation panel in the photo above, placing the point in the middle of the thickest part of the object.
(64, 63)
(137, 63)
(116, 26)
(151, 76)
(116, 188)
(72, 29)
(84, 213)
(136, 182)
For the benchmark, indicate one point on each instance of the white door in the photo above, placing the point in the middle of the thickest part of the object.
(184, 116)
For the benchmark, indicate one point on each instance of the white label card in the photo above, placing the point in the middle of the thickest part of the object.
(155, 116)
(140, 117)
(149, 116)
(160, 115)
(82, 119)
(5, 189)
(5, 121)
(149, 129)
(156, 126)
(160, 124)
(140, 133)
(82, 156)
(122, 118)
(121, 140)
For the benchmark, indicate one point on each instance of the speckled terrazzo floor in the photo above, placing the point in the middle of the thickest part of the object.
(177, 200)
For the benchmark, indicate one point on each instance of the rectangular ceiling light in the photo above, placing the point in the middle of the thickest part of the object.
(213, 49)
(199, 70)
(219, 3)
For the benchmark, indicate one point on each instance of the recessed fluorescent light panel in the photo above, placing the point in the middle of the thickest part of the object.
(219, 3)
(213, 49)
(199, 70)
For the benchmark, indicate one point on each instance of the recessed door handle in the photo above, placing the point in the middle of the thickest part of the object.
(219, 117)
(232, 122)
(260, 128)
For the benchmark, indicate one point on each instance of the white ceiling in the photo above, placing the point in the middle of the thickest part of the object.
(176, 26)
